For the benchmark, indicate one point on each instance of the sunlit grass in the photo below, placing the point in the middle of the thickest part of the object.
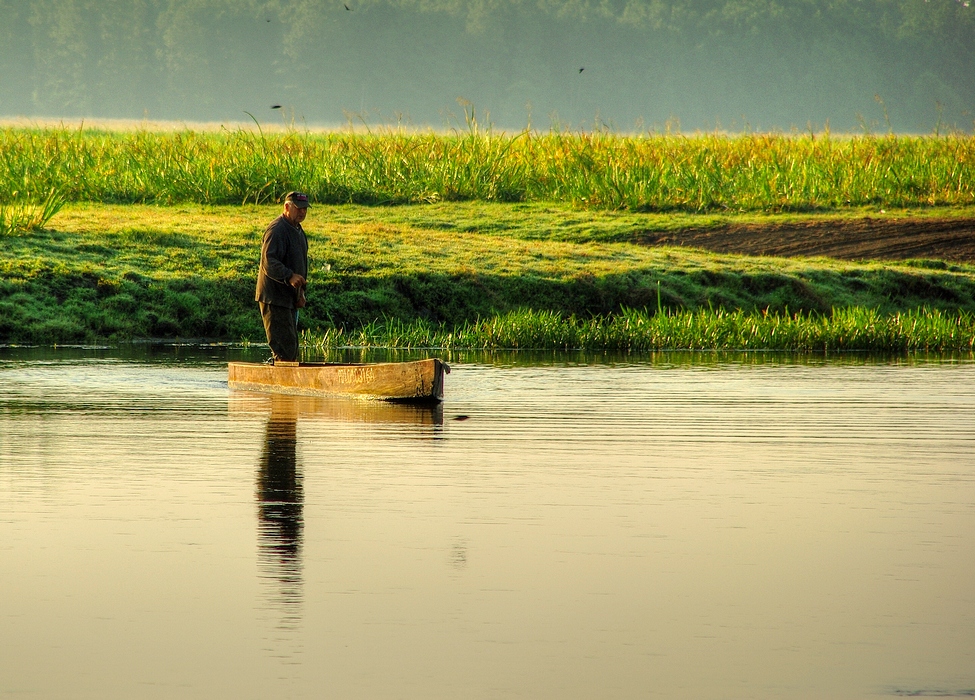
(595, 170)
(30, 214)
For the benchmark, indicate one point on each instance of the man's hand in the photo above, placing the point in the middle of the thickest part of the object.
(298, 282)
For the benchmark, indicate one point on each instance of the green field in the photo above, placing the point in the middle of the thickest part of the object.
(399, 275)
(475, 239)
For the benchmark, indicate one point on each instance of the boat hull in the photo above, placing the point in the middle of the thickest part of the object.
(422, 380)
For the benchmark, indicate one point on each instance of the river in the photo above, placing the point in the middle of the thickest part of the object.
(563, 526)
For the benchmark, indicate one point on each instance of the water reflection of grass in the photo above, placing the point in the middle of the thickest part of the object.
(125, 271)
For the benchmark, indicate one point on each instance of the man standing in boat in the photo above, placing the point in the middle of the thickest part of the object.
(282, 276)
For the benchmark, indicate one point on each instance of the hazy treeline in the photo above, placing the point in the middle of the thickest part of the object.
(702, 64)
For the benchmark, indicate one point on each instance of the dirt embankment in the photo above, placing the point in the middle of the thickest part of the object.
(859, 239)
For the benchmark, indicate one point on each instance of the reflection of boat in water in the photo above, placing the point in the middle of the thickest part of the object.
(418, 381)
(340, 408)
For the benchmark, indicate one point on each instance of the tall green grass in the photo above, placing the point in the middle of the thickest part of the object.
(850, 329)
(600, 170)
(30, 214)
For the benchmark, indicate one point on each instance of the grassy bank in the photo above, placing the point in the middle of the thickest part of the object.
(595, 170)
(108, 271)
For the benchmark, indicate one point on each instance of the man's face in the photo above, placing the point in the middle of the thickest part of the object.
(294, 214)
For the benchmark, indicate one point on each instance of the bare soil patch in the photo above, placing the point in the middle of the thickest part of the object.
(858, 239)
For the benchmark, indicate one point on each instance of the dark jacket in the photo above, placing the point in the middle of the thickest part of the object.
(284, 251)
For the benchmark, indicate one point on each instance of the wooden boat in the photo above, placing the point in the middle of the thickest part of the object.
(393, 381)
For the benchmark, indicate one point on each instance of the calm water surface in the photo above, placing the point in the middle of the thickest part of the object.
(676, 528)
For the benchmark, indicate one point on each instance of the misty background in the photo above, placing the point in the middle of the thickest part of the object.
(625, 65)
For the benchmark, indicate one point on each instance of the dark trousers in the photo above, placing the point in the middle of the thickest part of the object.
(281, 326)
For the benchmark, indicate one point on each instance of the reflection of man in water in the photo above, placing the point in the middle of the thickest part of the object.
(279, 501)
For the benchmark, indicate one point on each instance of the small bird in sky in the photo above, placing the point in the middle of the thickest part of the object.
(582, 69)
(275, 106)
(346, 7)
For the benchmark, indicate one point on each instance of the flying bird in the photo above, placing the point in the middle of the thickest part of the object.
(346, 7)
(275, 106)
(582, 69)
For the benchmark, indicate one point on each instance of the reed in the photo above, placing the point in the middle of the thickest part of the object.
(848, 329)
(598, 170)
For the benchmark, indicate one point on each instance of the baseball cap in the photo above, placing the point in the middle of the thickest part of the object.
(299, 199)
